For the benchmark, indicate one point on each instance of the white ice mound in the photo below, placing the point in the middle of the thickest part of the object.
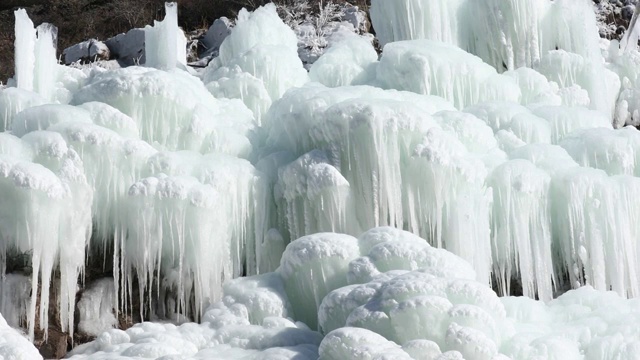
(570, 70)
(249, 322)
(566, 119)
(44, 116)
(14, 345)
(434, 68)
(350, 61)
(311, 267)
(364, 131)
(113, 163)
(520, 36)
(111, 118)
(420, 306)
(359, 344)
(615, 151)
(172, 110)
(259, 57)
(582, 323)
(437, 312)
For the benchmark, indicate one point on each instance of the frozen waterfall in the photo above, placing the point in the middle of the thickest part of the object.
(373, 206)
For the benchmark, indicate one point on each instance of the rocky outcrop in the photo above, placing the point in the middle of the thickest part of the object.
(128, 48)
(86, 51)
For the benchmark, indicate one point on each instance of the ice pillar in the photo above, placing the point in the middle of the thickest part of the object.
(46, 63)
(165, 44)
(35, 55)
(24, 50)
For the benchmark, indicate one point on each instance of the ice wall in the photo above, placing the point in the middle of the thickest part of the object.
(515, 34)
(416, 19)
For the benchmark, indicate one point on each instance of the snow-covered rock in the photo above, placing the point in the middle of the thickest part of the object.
(87, 51)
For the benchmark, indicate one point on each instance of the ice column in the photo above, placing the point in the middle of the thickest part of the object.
(35, 55)
(165, 43)
(46, 63)
(24, 50)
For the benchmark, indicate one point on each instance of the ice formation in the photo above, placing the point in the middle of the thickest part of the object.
(96, 308)
(35, 55)
(371, 207)
(14, 345)
(380, 305)
(258, 61)
(165, 43)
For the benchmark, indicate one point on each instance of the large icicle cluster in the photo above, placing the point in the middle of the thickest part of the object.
(45, 211)
(508, 35)
(492, 136)
(143, 159)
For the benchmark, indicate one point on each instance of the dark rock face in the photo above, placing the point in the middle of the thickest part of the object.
(128, 48)
(56, 345)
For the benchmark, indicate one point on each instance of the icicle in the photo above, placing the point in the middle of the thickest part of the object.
(197, 223)
(448, 201)
(316, 197)
(521, 228)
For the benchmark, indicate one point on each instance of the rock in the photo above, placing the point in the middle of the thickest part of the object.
(194, 39)
(627, 12)
(219, 30)
(357, 18)
(86, 51)
(128, 48)
(56, 345)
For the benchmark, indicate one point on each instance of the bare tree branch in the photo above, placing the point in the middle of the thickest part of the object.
(10, 4)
